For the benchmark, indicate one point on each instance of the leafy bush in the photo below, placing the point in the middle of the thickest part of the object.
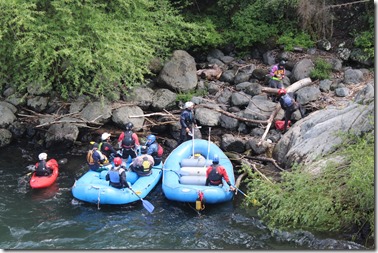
(91, 47)
(365, 39)
(322, 70)
(337, 199)
(183, 97)
(293, 39)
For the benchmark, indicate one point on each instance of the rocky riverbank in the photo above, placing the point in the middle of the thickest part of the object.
(232, 100)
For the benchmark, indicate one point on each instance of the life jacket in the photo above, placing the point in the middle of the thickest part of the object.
(128, 141)
(214, 176)
(160, 151)
(146, 165)
(100, 146)
(90, 159)
(41, 166)
(287, 101)
(114, 176)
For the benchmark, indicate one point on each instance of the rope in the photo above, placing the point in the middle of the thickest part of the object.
(98, 196)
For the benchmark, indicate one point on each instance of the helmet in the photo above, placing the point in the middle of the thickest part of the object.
(151, 139)
(117, 161)
(105, 136)
(281, 92)
(42, 156)
(95, 145)
(216, 159)
(188, 105)
(129, 126)
(282, 63)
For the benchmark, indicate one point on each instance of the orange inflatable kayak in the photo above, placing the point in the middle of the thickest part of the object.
(45, 181)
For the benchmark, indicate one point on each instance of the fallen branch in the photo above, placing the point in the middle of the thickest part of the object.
(238, 180)
(232, 115)
(265, 159)
(292, 88)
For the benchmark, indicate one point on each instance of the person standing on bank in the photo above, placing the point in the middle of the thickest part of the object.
(215, 173)
(289, 105)
(186, 121)
(129, 142)
(106, 147)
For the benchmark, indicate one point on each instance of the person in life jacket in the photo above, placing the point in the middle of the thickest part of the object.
(117, 175)
(106, 147)
(95, 158)
(216, 172)
(277, 73)
(289, 105)
(129, 142)
(143, 164)
(186, 121)
(154, 148)
(41, 168)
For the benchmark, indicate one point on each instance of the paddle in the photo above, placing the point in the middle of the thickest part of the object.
(146, 204)
(240, 191)
(208, 146)
(193, 138)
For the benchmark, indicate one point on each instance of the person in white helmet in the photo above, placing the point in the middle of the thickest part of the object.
(41, 168)
(106, 147)
(186, 121)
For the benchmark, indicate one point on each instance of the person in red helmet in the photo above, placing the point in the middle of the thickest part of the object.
(289, 105)
(117, 175)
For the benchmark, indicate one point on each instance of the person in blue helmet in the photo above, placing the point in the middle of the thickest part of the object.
(216, 172)
(154, 148)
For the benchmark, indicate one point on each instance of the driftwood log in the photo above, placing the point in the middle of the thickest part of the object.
(292, 88)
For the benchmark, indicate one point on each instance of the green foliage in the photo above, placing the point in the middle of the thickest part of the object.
(250, 26)
(365, 39)
(322, 70)
(92, 47)
(294, 39)
(189, 95)
(338, 198)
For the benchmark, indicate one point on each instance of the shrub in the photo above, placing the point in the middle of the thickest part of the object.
(337, 199)
(293, 39)
(322, 70)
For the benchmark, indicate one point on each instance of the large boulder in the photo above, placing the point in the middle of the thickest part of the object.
(179, 73)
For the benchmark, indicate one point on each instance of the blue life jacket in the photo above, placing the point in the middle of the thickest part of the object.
(114, 176)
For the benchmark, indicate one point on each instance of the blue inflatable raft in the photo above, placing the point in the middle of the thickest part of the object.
(92, 187)
(184, 173)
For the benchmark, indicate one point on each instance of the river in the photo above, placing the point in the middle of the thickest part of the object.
(52, 219)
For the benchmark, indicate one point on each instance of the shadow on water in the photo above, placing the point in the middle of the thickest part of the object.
(52, 219)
